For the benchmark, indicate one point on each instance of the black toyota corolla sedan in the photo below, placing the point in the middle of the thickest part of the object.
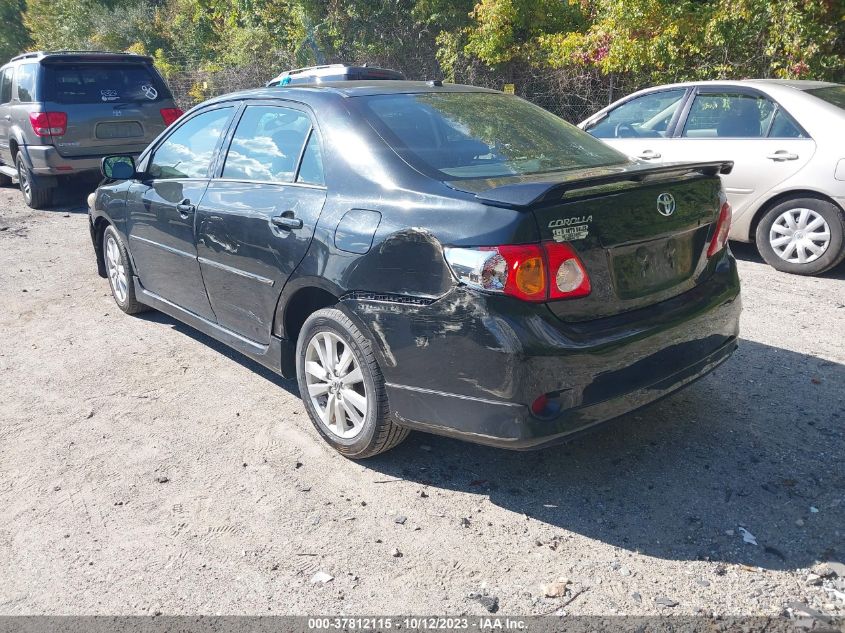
(425, 256)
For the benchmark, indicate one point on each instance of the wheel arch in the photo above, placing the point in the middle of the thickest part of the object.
(294, 307)
(100, 224)
(777, 199)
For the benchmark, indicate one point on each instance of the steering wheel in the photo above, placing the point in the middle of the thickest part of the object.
(625, 130)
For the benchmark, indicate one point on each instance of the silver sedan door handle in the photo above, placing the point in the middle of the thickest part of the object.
(782, 155)
(8, 117)
(649, 154)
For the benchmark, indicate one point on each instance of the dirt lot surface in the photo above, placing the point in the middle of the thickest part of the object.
(145, 468)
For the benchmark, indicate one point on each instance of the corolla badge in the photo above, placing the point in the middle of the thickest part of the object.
(666, 204)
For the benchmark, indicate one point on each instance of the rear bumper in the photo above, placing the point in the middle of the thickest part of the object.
(45, 161)
(470, 365)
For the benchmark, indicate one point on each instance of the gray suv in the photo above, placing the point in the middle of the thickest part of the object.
(61, 112)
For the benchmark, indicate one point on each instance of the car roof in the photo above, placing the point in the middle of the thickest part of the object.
(798, 84)
(68, 55)
(357, 88)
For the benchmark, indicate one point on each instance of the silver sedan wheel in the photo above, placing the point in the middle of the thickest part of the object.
(799, 236)
(116, 269)
(335, 384)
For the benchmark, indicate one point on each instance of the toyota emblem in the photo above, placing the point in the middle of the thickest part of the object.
(666, 204)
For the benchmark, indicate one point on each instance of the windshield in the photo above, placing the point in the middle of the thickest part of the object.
(831, 94)
(458, 135)
(111, 83)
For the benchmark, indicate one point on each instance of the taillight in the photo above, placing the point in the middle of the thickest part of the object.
(169, 115)
(48, 123)
(531, 272)
(723, 227)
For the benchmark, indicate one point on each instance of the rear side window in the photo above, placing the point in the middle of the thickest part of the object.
(481, 135)
(267, 144)
(25, 79)
(6, 85)
(189, 150)
(311, 169)
(103, 83)
(784, 126)
(728, 116)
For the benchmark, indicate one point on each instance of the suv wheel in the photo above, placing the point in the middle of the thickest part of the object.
(35, 196)
(119, 270)
(343, 388)
(804, 236)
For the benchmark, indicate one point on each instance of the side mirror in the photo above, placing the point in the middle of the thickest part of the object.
(118, 167)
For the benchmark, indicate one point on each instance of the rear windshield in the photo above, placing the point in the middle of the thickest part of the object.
(455, 135)
(102, 83)
(831, 94)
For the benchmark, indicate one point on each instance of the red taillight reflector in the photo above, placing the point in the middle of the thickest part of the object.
(48, 123)
(723, 227)
(169, 115)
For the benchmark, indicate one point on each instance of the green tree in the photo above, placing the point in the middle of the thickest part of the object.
(14, 38)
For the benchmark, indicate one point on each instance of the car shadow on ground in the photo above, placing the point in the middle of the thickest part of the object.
(758, 445)
(159, 317)
(67, 198)
(749, 253)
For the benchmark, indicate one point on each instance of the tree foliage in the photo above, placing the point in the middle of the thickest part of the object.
(651, 40)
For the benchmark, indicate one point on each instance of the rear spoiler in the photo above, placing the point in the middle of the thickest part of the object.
(524, 194)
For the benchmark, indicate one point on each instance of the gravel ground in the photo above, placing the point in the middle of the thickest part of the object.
(146, 468)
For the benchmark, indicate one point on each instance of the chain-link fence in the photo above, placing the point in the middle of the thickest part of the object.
(571, 93)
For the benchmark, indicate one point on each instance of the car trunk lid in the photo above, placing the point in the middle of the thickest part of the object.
(111, 107)
(642, 232)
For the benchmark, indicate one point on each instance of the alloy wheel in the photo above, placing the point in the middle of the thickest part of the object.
(335, 384)
(799, 236)
(116, 270)
(23, 180)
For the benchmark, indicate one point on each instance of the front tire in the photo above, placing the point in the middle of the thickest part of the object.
(803, 236)
(119, 271)
(342, 386)
(36, 196)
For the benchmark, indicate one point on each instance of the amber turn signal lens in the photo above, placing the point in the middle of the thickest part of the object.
(531, 276)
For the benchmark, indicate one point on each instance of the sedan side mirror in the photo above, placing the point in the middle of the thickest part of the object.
(118, 167)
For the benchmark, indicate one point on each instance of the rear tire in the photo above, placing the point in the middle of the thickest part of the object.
(36, 196)
(348, 403)
(119, 272)
(808, 229)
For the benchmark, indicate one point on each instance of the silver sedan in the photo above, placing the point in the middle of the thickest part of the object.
(787, 140)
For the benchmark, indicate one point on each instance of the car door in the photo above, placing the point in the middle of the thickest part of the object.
(257, 218)
(742, 125)
(161, 209)
(641, 126)
(6, 114)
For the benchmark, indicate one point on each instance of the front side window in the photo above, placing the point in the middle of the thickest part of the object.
(189, 151)
(455, 135)
(25, 78)
(646, 116)
(267, 144)
(724, 115)
(6, 85)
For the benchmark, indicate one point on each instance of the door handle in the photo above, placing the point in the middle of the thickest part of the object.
(287, 221)
(782, 155)
(185, 208)
(8, 117)
(649, 154)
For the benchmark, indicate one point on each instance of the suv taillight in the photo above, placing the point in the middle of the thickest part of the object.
(169, 115)
(48, 123)
(531, 272)
(723, 227)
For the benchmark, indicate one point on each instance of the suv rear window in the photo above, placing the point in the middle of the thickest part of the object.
(102, 83)
(831, 94)
(454, 135)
